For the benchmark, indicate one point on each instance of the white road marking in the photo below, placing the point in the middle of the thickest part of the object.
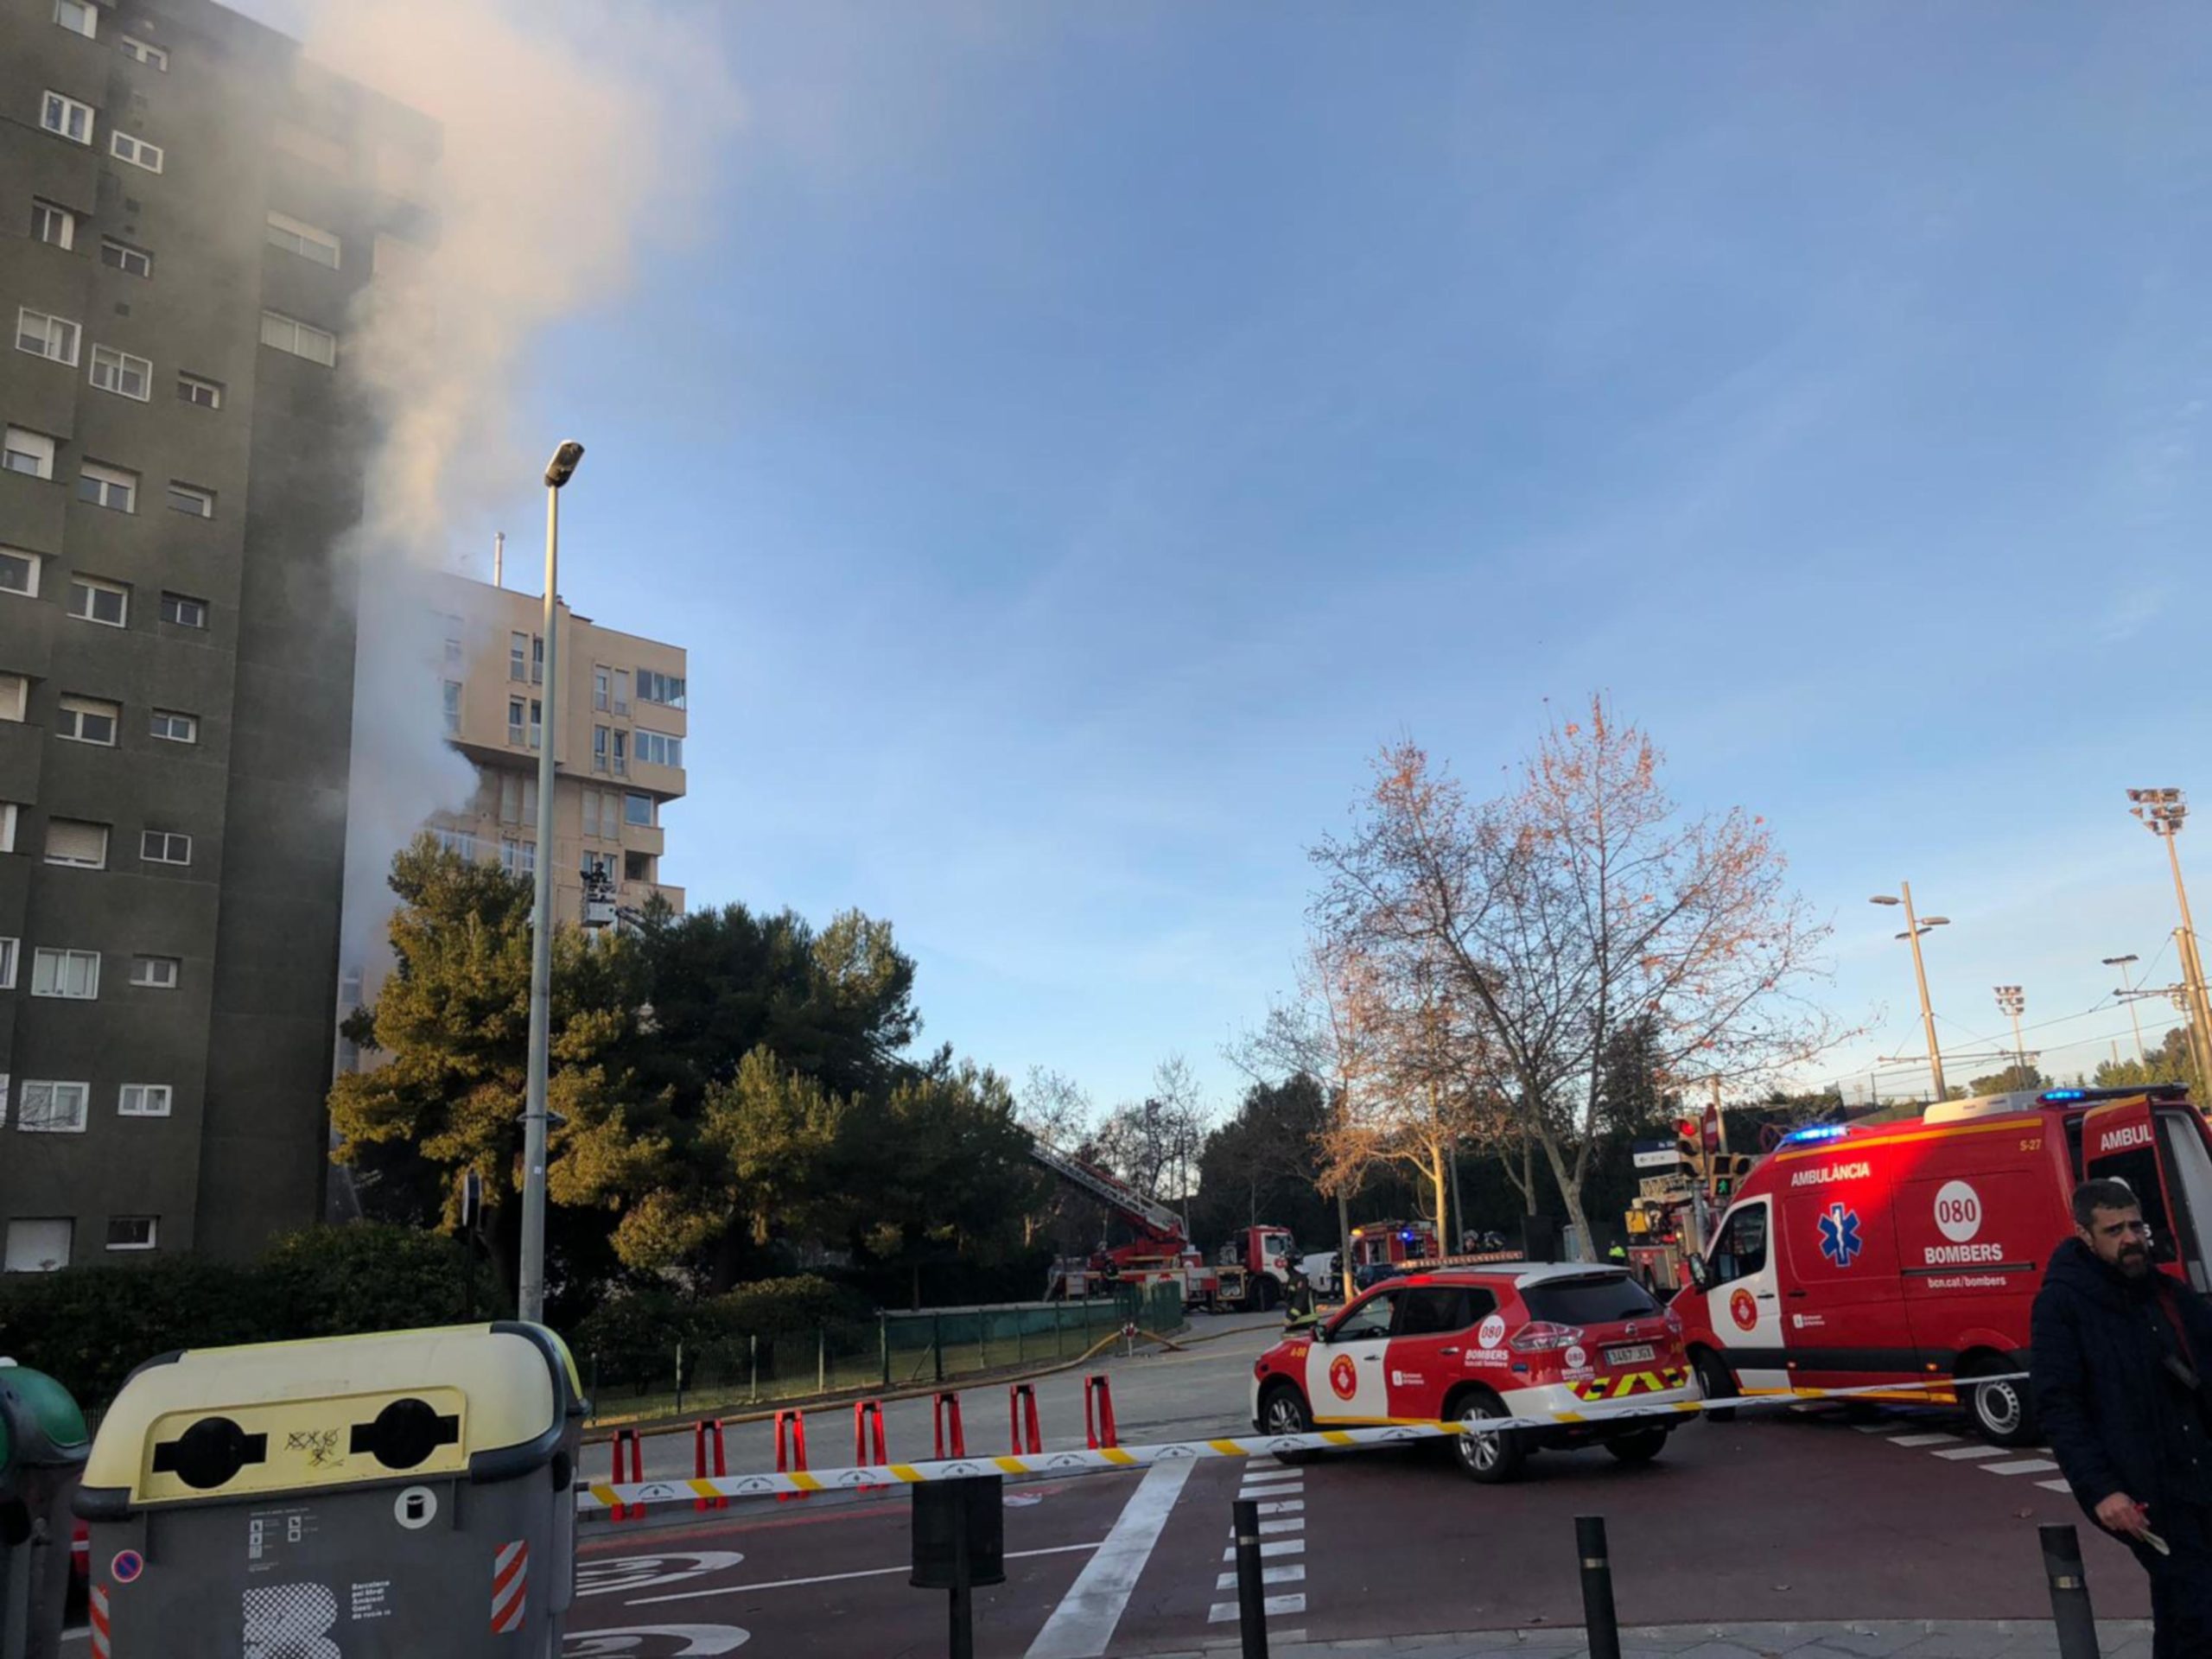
(1223, 1611)
(1286, 1506)
(2055, 1485)
(1083, 1625)
(1256, 1482)
(1293, 1574)
(1958, 1452)
(1271, 1547)
(2024, 1466)
(1923, 1439)
(835, 1578)
(1871, 1428)
(1268, 1529)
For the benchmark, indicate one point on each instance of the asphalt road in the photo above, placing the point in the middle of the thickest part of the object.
(1775, 1516)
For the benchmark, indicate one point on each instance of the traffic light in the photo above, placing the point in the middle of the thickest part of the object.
(1689, 1144)
(1730, 1170)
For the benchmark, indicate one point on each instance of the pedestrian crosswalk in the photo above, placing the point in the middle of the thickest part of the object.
(1280, 1491)
(1955, 1448)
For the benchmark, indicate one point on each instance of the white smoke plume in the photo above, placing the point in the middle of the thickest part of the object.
(575, 137)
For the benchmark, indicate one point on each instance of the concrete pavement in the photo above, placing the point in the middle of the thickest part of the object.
(1865, 1639)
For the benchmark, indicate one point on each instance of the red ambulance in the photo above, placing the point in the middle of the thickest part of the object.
(1906, 1257)
(1506, 1339)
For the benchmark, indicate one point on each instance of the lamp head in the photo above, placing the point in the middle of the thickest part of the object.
(562, 467)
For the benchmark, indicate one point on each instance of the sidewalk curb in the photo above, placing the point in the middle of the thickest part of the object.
(602, 1431)
(1922, 1639)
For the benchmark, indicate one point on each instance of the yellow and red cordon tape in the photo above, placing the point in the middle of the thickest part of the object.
(1078, 1461)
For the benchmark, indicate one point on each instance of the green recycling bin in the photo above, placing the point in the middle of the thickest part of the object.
(408, 1495)
(42, 1449)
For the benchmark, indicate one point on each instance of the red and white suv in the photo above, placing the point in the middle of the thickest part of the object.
(1507, 1339)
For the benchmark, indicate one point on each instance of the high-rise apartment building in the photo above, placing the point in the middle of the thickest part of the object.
(620, 754)
(188, 215)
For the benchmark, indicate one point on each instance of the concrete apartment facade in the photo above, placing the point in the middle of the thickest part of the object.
(188, 215)
(619, 759)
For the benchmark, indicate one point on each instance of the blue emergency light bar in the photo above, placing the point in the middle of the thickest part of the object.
(2065, 1094)
(1818, 1132)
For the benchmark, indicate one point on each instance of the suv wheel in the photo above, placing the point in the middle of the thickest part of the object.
(1492, 1459)
(1714, 1382)
(1282, 1412)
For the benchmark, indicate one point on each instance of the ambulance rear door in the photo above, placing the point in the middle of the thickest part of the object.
(2129, 1141)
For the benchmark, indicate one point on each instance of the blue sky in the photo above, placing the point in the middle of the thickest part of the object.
(1071, 438)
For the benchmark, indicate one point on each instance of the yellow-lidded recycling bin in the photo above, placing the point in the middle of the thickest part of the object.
(408, 1493)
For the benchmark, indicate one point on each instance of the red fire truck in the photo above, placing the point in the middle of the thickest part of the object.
(1252, 1270)
(1906, 1257)
(1381, 1248)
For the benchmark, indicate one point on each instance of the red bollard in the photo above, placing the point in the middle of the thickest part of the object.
(1101, 1433)
(867, 1413)
(629, 1437)
(701, 1434)
(796, 1451)
(1017, 1396)
(944, 1407)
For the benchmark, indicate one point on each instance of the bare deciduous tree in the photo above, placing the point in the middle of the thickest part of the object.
(1579, 902)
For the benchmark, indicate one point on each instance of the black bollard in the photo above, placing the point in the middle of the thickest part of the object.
(2069, 1592)
(1601, 1628)
(959, 1545)
(1251, 1583)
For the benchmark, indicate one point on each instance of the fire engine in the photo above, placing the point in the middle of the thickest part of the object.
(1906, 1257)
(1381, 1248)
(1252, 1271)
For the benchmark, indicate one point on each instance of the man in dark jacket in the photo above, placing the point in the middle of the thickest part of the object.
(2117, 1346)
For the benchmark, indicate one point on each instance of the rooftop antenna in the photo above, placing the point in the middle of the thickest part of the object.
(499, 558)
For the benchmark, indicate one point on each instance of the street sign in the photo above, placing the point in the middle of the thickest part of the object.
(1665, 1189)
(472, 1197)
(1711, 1126)
(1658, 1154)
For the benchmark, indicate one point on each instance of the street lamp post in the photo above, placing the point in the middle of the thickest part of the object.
(530, 1291)
(2011, 1000)
(1914, 927)
(2162, 811)
(2128, 996)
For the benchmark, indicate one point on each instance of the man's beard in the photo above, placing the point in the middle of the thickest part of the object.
(2135, 1262)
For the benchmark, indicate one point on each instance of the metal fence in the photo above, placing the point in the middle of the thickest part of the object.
(891, 1351)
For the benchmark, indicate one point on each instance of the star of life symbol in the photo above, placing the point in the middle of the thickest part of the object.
(1840, 1239)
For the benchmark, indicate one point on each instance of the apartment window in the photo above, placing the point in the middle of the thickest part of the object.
(77, 17)
(37, 1244)
(121, 256)
(452, 695)
(598, 748)
(659, 749)
(91, 600)
(29, 453)
(184, 612)
(537, 722)
(164, 847)
(518, 656)
(306, 241)
(19, 572)
(42, 335)
(601, 681)
(514, 720)
(9, 948)
(599, 867)
(459, 842)
(143, 1100)
(9, 813)
(173, 728)
(453, 636)
(53, 1108)
(621, 690)
(191, 500)
(67, 117)
(621, 752)
(84, 720)
(592, 817)
(131, 1232)
(155, 972)
(191, 389)
(71, 973)
(637, 810)
(518, 857)
(121, 373)
(517, 799)
(537, 659)
(70, 842)
(137, 152)
(138, 51)
(14, 699)
(667, 689)
(53, 223)
(300, 339)
(107, 486)
(637, 866)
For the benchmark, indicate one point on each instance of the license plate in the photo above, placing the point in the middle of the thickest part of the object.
(1636, 1354)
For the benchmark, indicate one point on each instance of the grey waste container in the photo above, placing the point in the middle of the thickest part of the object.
(408, 1493)
(43, 1448)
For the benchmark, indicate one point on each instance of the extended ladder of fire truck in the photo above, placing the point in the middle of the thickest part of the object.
(1156, 1220)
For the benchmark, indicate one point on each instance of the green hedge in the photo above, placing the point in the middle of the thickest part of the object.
(92, 1326)
(632, 1338)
